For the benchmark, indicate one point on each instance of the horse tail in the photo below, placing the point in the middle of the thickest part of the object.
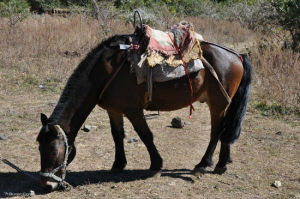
(232, 122)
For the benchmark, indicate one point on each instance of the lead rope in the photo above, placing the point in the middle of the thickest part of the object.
(187, 73)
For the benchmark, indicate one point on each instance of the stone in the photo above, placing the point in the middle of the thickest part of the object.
(278, 133)
(3, 136)
(31, 193)
(86, 128)
(133, 140)
(41, 86)
(276, 184)
(177, 123)
(186, 123)
(52, 103)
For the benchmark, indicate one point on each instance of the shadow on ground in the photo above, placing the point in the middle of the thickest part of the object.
(17, 184)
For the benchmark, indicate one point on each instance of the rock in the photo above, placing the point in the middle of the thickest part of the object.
(86, 128)
(3, 136)
(41, 86)
(177, 122)
(133, 140)
(99, 153)
(278, 133)
(276, 184)
(172, 183)
(186, 123)
(52, 103)
(31, 193)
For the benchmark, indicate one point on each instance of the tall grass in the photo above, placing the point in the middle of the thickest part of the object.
(277, 79)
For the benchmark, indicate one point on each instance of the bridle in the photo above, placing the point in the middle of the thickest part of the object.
(52, 175)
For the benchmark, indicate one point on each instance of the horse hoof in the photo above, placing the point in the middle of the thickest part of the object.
(220, 170)
(116, 170)
(198, 171)
(229, 161)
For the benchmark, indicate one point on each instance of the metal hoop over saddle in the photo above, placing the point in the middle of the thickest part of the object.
(140, 17)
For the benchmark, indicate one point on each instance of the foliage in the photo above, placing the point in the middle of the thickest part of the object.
(289, 18)
(15, 10)
(274, 109)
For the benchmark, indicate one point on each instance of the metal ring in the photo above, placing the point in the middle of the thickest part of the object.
(134, 21)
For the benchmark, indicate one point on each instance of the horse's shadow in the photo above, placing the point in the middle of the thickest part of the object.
(17, 184)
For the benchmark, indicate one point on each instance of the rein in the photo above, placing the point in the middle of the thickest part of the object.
(52, 175)
(111, 79)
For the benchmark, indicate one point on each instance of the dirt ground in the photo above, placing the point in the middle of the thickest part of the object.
(261, 156)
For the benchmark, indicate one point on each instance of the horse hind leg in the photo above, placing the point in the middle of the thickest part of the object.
(117, 130)
(136, 117)
(232, 122)
(206, 161)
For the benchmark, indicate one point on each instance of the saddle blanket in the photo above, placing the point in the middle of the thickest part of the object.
(161, 54)
(161, 45)
(164, 72)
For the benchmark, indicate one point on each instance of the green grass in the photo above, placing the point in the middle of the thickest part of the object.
(273, 109)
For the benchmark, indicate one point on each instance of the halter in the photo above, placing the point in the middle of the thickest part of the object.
(52, 175)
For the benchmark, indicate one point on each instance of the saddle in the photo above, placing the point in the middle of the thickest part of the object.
(161, 52)
(158, 56)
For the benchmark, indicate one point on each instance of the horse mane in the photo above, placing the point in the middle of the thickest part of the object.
(82, 71)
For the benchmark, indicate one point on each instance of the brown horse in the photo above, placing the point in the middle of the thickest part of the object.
(124, 97)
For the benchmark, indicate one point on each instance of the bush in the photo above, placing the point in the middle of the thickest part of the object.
(15, 10)
(289, 18)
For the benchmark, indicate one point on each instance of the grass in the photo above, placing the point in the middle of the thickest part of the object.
(276, 79)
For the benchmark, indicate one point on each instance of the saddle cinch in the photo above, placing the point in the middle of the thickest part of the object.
(158, 56)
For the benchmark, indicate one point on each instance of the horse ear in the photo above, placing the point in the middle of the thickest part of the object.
(44, 119)
(53, 129)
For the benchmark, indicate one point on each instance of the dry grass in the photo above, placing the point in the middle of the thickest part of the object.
(45, 50)
(277, 75)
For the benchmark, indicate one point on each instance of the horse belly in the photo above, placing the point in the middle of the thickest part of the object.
(176, 94)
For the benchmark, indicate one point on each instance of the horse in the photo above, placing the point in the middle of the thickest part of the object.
(124, 97)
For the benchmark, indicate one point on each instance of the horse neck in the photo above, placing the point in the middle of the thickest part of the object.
(80, 96)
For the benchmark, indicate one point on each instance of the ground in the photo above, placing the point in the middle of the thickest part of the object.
(261, 156)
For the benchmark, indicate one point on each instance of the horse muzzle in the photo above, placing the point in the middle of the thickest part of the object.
(52, 181)
(48, 185)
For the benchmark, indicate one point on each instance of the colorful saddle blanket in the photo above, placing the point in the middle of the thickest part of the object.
(166, 46)
(161, 53)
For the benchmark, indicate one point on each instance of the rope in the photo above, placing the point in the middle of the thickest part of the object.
(7, 162)
(111, 79)
(187, 73)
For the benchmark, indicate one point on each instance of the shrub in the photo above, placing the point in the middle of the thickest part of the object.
(15, 10)
(289, 18)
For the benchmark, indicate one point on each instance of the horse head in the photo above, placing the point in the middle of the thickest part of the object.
(55, 153)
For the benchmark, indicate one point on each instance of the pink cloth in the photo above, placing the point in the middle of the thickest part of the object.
(182, 35)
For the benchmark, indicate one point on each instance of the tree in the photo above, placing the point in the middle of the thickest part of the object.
(289, 18)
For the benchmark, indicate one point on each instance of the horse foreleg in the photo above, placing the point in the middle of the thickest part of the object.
(136, 117)
(117, 130)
